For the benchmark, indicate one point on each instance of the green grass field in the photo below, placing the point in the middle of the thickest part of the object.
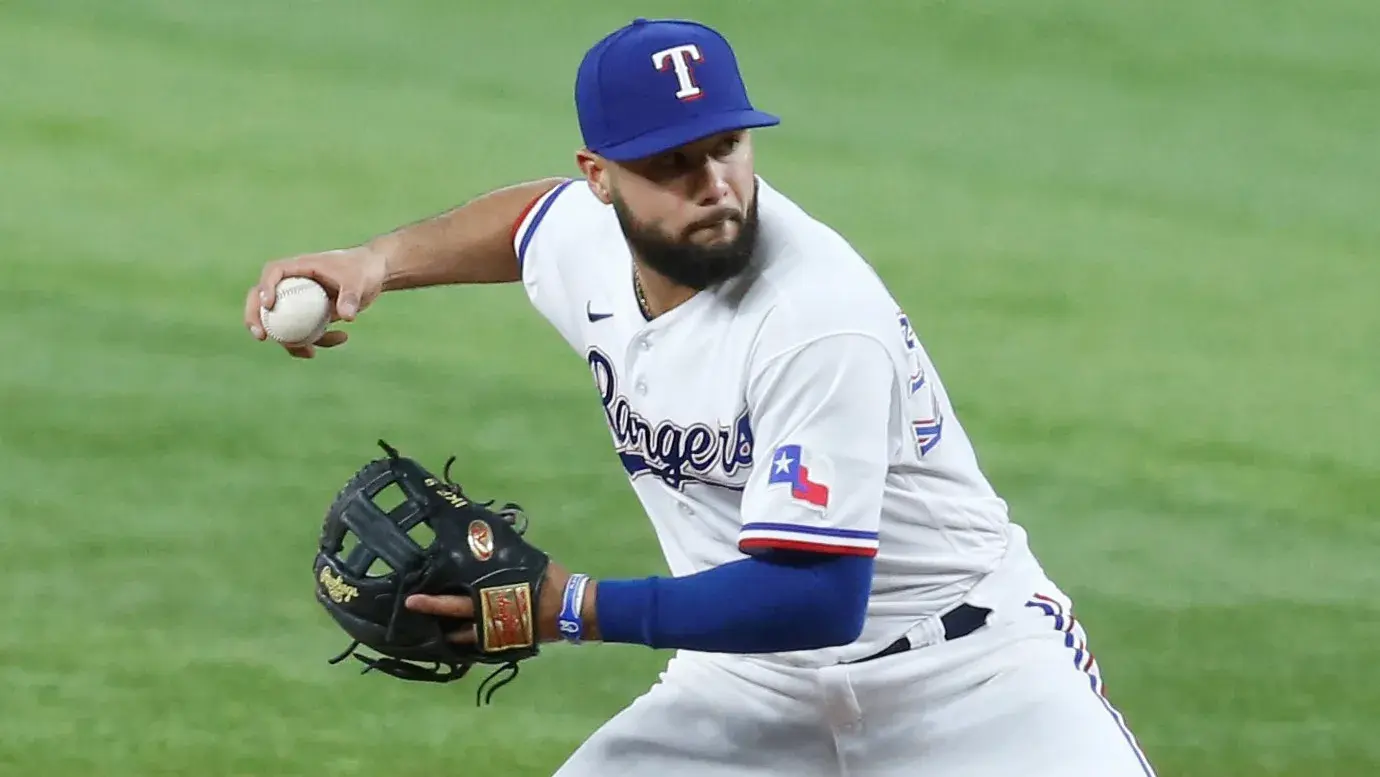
(1142, 241)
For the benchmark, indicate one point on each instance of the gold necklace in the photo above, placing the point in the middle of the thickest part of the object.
(641, 295)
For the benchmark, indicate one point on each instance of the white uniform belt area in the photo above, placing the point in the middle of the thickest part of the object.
(956, 623)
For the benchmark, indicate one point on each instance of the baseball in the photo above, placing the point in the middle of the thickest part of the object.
(301, 312)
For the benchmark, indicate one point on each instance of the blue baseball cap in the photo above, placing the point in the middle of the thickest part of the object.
(654, 85)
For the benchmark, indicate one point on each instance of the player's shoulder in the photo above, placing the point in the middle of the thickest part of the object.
(566, 214)
(565, 195)
(811, 282)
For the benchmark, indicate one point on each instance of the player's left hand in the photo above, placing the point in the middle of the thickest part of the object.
(462, 607)
(476, 549)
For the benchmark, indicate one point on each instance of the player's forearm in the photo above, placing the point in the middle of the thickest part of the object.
(472, 243)
(748, 606)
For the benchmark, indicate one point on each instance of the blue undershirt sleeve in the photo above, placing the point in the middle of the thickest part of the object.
(776, 602)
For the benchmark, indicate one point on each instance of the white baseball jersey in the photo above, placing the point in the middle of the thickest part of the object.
(791, 407)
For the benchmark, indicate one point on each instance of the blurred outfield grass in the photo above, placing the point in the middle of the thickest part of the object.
(1142, 241)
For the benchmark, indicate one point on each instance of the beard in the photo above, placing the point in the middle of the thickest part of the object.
(685, 263)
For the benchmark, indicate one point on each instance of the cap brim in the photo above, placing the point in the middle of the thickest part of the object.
(663, 140)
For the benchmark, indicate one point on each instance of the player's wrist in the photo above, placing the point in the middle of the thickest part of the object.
(566, 609)
(590, 613)
(382, 255)
(571, 623)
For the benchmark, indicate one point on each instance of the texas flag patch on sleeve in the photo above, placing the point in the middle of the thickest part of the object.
(795, 510)
(789, 468)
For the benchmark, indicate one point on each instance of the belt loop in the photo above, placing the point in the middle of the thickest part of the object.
(930, 631)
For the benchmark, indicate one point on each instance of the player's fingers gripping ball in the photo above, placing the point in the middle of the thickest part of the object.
(371, 558)
(301, 312)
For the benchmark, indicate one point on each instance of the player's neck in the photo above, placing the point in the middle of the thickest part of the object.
(657, 294)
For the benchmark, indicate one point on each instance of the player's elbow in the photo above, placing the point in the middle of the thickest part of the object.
(850, 586)
(836, 602)
(834, 630)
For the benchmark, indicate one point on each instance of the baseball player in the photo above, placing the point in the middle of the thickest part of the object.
(848, 595)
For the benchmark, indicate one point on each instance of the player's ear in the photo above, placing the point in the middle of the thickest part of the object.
(596, 174)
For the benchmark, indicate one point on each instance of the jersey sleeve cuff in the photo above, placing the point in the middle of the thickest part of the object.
(758, 537)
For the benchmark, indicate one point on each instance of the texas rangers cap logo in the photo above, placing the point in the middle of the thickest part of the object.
(679, 58)
(788, 468)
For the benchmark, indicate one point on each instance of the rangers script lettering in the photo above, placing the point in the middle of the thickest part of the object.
(666, 450)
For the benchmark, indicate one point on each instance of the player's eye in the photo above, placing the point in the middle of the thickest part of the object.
(674, 162)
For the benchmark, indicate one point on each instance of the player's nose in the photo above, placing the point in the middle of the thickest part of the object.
(714, 188)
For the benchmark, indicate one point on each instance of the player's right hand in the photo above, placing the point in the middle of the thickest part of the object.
(352, 277)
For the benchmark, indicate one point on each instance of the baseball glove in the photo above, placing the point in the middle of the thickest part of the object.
(471, 550)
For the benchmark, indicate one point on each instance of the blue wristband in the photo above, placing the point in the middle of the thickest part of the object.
(570, 623)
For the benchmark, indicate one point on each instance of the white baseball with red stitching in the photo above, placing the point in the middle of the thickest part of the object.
(300, 314)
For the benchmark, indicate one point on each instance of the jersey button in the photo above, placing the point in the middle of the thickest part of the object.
(685, 508)
(641, 387)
